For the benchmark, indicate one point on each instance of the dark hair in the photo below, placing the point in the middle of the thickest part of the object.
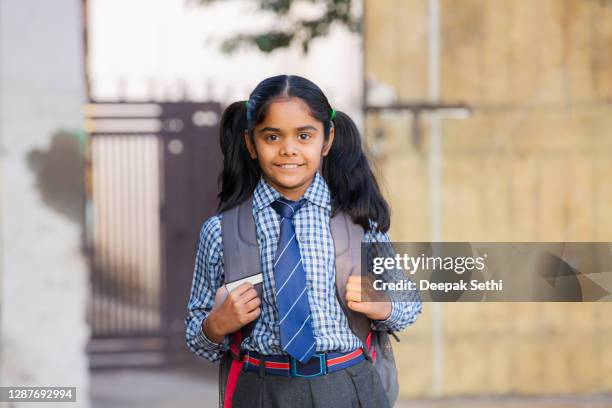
(346, 169)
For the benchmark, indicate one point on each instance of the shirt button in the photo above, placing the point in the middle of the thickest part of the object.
(302, 238)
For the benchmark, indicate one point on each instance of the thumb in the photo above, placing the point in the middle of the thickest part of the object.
(220, 295)
(357, 306)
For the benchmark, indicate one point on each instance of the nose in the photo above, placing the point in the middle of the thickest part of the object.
(288, 147)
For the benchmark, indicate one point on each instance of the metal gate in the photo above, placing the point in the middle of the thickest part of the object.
(152, 181)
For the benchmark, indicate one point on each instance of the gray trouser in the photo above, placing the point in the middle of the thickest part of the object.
(355, 386)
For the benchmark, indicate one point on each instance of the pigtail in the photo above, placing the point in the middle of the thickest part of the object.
(348, 174)
(240, 173)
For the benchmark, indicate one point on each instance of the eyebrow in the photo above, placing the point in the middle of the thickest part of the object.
(271, 129)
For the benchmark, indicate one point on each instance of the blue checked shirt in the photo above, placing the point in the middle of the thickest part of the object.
(330, 325)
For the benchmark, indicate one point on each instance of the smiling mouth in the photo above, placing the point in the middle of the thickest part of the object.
(289, 166)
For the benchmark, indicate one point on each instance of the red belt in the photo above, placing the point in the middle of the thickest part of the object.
(287, 366)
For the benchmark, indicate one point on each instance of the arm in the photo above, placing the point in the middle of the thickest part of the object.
(207, 278)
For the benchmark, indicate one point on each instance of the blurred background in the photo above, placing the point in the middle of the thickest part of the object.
(486, 120)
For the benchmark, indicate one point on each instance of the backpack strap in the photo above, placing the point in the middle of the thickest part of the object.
(240, 248)
(347, 238)
(241, 260)
(241, 257)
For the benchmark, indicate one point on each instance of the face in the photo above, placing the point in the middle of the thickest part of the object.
(289, 145)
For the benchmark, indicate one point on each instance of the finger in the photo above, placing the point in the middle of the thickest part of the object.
(248, 296)
(353, 287)
(241, 289)
(353, 296)
(358, 307)
(252, 304)
(254, 314)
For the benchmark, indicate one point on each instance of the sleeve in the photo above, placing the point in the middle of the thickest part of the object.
(404, 312)
(207, 278)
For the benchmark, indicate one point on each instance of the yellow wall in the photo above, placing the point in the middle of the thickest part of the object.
(533, 162)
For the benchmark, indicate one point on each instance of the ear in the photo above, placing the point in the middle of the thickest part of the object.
(249, 145)
(328, 144)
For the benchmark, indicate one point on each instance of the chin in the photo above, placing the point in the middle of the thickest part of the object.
(289, 183)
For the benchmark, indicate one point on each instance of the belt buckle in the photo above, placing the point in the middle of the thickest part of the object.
(322, 369)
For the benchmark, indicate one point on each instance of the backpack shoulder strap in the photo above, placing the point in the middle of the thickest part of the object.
(347, 238)
(241, 257)
(240, 249)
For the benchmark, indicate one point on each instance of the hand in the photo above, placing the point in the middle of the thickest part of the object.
(373, 310)
(232, 311)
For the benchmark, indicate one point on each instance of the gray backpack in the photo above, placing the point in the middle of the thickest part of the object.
(241, 254)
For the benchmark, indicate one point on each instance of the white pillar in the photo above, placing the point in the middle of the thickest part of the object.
(43, 273)
(435, 172)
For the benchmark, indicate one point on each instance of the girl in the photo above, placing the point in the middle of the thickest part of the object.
(302, 162)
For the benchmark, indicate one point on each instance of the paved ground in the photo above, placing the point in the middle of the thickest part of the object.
(197, 387)
(155, 388)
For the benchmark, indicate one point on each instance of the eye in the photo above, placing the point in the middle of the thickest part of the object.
(304, 136)
(272, 137)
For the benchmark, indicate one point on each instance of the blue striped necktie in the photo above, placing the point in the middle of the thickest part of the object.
(297, 337)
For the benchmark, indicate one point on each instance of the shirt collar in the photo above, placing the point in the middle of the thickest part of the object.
(317, 193)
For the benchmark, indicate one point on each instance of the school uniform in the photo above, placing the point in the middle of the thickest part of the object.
(355, 385)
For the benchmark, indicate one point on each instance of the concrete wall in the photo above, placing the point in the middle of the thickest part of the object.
(44, 274)
(531, 163)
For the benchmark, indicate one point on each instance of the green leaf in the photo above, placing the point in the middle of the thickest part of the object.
(336, 11)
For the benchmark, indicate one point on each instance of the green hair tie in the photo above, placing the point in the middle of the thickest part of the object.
(332, 115)
(246, 104)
